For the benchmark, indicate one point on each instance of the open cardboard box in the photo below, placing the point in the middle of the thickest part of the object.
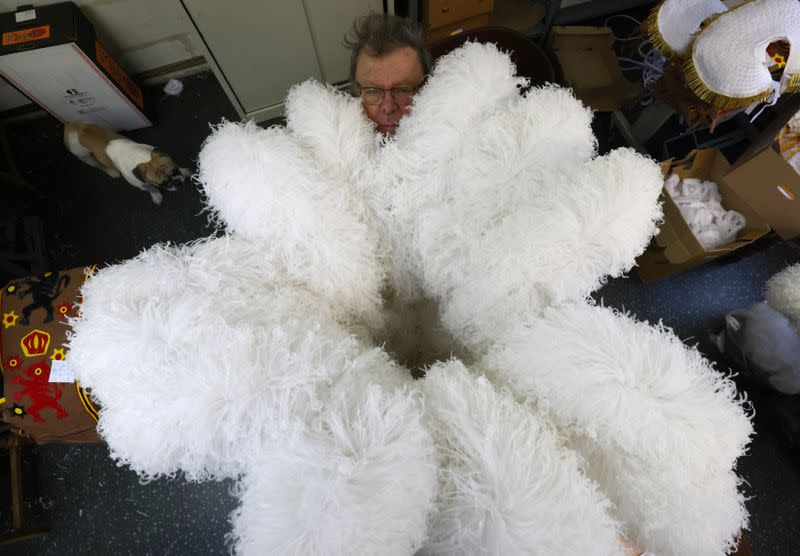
(770, 185)
(764, 188)
(589, 65)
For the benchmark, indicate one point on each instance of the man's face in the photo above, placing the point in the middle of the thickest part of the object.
(399, 68)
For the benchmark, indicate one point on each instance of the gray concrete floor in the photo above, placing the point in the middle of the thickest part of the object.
(93, 506)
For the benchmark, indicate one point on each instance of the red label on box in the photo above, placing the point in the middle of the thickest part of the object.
(26, 35)
(118, 74)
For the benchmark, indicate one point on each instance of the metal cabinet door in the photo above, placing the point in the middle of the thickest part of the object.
(258, 49)
(329, 22)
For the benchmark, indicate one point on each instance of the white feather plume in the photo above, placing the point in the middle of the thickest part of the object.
(660, 428)
(508, 484)
(359, 479)
(252, 355)
(196, 353)
(495, 200)
(265, 185)
(543, 247)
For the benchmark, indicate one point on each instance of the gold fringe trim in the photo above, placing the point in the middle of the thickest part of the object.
(794, 83)
(655, 36)
(699, 88)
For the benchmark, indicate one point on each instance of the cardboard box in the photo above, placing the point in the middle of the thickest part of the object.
(676, 248)
(679, 242)
(771, 186)
(589, 65)
(51, 55)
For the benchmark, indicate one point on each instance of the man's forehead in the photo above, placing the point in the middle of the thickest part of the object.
(401, 66)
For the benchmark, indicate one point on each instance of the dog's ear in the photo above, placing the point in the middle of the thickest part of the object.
(140, 172)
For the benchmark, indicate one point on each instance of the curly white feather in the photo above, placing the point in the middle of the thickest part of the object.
(246, 353)
(265, 185)
(660, 428)
(196, 353)
(508, 485)
(543, 247)
(359, 479)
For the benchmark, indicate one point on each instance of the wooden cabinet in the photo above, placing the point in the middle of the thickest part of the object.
(439, 13)
(446, 17)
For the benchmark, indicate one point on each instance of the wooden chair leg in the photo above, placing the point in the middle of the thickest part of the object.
(15, 459)
(20, 532)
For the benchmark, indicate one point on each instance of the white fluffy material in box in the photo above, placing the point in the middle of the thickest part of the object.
(359, 479)
(508, 485)
(700, 204)
(782, 292)
(660, 428)
(197, 353)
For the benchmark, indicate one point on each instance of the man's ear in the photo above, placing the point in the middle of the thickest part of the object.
(139, 172)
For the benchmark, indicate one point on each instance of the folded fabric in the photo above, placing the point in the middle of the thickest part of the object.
(700, 203)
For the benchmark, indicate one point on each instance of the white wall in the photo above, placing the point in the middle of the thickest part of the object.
(140, 34)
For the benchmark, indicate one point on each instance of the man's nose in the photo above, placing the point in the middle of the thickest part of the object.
(388, 105)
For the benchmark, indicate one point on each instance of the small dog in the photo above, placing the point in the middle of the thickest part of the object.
(141, 165)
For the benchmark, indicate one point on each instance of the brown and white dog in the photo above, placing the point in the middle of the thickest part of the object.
(141, 165)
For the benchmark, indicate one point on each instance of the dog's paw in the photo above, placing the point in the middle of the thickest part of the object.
(157, 197)
(172, 188)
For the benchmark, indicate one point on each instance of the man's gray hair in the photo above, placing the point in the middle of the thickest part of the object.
(379, 34)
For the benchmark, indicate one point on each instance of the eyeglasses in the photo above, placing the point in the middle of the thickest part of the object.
(374, 95)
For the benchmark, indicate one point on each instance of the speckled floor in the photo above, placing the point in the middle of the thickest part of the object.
(93, 506)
